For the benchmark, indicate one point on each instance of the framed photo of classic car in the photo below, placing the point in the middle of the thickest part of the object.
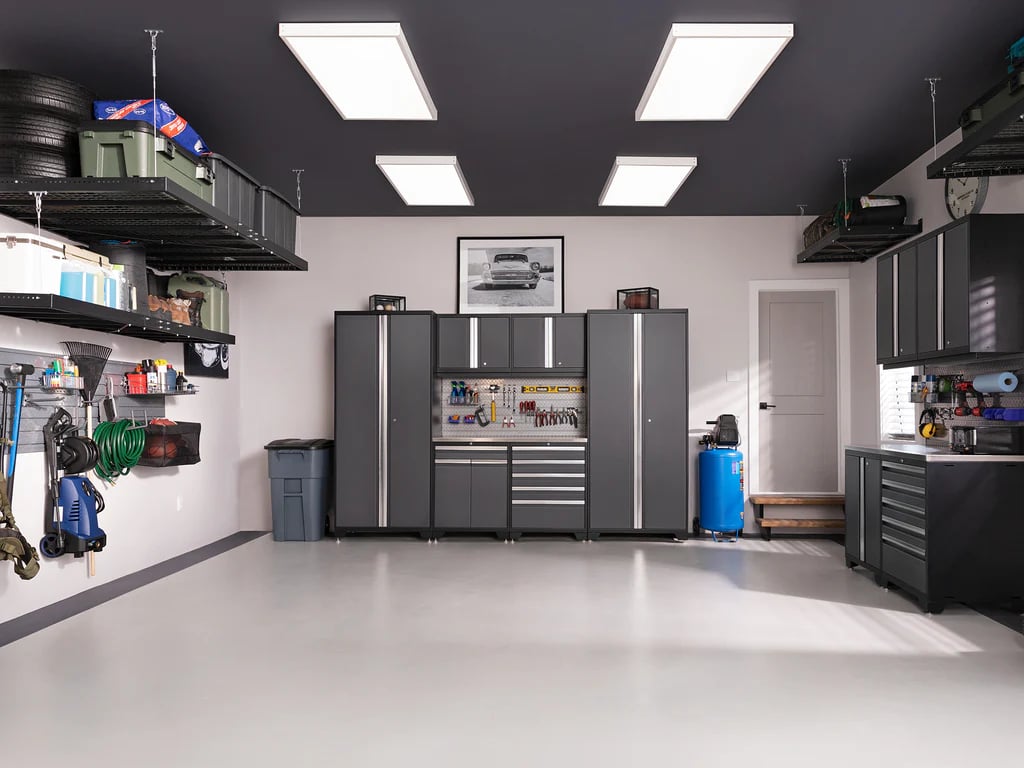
(517, 275)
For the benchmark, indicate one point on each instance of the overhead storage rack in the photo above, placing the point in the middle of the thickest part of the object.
(857, 243)
(180, 231)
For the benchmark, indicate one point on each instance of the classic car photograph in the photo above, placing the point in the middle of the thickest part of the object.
(518, 275)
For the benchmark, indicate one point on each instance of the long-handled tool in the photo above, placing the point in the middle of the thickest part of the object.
(19, 372)
(13, 544)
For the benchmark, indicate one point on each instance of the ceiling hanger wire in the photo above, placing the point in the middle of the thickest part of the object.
(39, 212)
(152, 47)
(935, 134)
(298, 186)
(845, 162)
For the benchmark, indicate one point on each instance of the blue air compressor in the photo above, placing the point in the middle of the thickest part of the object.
(721, 480)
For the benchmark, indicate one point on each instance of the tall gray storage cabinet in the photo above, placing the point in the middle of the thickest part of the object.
(638, 417)
(383, 369)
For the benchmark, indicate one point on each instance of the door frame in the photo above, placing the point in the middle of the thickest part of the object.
(840, 287)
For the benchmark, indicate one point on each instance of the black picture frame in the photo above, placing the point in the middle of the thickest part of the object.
(544, 255)
(207, 360)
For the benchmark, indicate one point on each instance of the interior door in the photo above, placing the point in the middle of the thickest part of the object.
(664, 422)
(797, 375)
(356, 420)
(610, 415)
(409, 414)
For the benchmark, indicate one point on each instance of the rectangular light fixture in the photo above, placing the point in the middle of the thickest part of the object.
(367, 71)
(424, 180)
(646, 181)
(707, 70)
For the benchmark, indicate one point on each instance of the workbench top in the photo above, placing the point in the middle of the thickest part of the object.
(932, 453)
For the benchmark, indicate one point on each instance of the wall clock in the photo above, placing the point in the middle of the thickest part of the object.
(965, 196)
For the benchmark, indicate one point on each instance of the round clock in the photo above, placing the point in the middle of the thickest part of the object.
(965, 196)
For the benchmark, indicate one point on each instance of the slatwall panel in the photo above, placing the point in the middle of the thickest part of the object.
(969, 371)
(525, 428)
(40, 402)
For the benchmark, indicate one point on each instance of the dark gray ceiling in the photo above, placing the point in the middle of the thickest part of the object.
(536, 97)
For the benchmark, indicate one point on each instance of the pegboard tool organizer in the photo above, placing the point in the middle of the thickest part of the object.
(967, 372)
(561, 401)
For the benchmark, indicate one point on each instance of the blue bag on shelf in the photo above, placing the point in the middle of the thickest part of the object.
(169, 122)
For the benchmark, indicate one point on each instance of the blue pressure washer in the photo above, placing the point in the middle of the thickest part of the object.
(75, 501)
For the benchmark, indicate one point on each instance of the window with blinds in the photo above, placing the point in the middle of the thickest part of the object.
(898, 421)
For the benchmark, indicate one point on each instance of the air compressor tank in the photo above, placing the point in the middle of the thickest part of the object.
(721, 490)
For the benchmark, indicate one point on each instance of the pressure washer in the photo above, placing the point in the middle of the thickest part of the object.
(75, 501)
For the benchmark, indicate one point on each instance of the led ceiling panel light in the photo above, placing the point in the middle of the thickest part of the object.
(646, 181)
(422, 180)
(367, 71)
(707, 70)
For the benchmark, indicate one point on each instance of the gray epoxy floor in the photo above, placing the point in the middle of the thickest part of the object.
(377, 652)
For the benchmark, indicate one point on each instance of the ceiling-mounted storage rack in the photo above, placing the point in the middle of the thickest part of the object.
(59, 310)
(857, 243)
(180, 230)
(993, 136)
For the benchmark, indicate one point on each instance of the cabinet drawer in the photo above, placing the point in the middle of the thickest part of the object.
(902, 482)
(559, 480)
(906, 504)
(470, 453)
(895, 469)
(548, 515)
(549, 452)
(903, 566)
(907, 524)
(550, 493)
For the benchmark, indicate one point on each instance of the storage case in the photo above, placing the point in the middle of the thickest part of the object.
(214, 311)
(234, 191)
(275, 218)
(117, 149)
(637, 298)
(30, 264)
(380, 302)
(171, 445)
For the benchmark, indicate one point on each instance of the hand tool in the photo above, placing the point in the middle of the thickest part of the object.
(493, 389)
(481, 417)
(469, 418)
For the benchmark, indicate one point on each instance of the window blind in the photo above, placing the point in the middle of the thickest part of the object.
(898, 420)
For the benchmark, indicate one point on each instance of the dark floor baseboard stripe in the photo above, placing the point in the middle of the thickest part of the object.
(25, 625)
(1002, 615)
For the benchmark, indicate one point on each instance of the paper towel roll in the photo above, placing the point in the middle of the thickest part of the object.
(995, 382)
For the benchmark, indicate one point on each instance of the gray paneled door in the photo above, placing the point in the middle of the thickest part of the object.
(610, 412)
(409, 410)
(356, 426)
(798, 390)
(664, 421)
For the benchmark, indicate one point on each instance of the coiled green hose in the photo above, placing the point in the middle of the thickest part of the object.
(120, 449)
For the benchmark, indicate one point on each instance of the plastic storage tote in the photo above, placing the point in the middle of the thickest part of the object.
(118, 149)
(275, 218)
(234, 191)
(301, 481)
(214, 310)
(30, 264)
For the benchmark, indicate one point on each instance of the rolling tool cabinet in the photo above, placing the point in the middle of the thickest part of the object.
(383, 368)
(637, 407)
(940, 526)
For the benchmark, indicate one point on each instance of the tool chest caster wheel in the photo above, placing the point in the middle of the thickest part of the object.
(50, 545)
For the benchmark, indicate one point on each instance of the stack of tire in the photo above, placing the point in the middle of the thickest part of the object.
(39, 119)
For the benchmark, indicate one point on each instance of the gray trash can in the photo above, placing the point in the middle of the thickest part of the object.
(301, 486)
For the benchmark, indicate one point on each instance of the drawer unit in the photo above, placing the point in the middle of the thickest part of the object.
(549, 489)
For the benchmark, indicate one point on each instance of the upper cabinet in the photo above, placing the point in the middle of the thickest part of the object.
(532, 344)
(549, 344)
(955, 291)
(466, 343)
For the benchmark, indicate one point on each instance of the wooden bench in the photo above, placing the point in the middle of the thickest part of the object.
(761, 500)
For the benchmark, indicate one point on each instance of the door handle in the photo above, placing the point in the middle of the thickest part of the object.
(765, 406)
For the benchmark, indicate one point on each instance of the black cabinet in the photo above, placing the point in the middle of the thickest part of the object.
(549, 492)
(549, 344)
(638, 421)
(863, 510)
(471, 488)
(941, 529)
(382, 426)
(955, 291)
(473, 343)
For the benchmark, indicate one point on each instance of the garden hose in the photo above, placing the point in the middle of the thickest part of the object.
(120, 448)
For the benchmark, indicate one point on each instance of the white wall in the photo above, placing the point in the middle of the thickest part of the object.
(703, 264)
(926, 201)
(152, 515)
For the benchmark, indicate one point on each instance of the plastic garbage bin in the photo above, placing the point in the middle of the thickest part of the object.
(300, 486)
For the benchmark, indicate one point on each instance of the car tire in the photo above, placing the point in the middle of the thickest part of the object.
(26, 129)
(37, 92)
(18, 162)
(534, 287)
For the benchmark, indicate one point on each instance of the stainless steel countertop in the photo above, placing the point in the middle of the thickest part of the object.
(511, 440)
(935, 453)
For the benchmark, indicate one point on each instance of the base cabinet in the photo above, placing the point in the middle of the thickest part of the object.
(549, 489)
(471, 488)
(942, 530)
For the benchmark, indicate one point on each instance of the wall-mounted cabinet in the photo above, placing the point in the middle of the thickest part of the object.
(956, 291)
(554, 343)
(533, 344)
(467, 343)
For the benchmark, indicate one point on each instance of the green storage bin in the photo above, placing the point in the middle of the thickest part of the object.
(214, 311)
(120, 149)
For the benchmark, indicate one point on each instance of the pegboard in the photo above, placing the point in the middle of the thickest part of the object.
(508, 405)
(41, 402)
(968, 371)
